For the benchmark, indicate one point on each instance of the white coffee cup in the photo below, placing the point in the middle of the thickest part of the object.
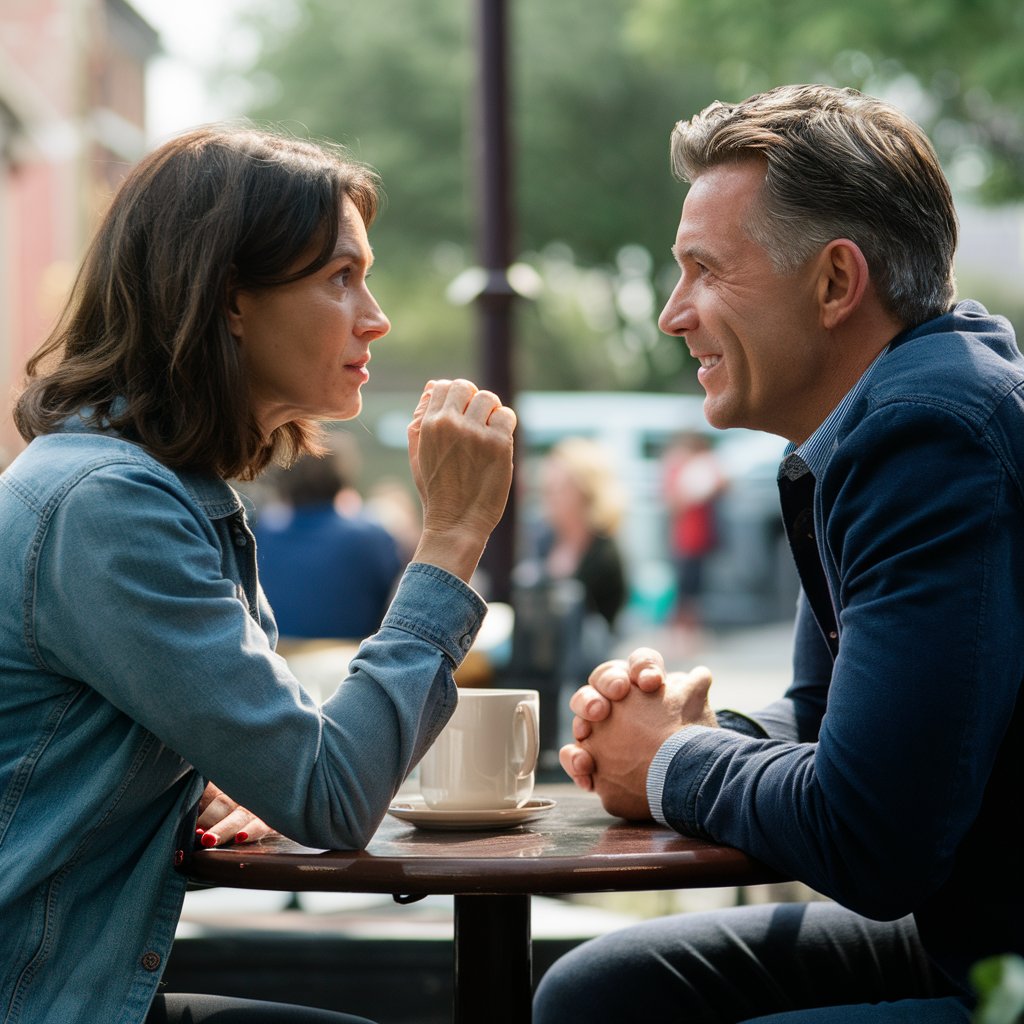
(485, 757)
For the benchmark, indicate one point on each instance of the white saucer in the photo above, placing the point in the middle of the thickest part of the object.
(416, 812)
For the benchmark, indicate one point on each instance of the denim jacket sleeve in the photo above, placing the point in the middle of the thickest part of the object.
(921, 517)
(131, 598)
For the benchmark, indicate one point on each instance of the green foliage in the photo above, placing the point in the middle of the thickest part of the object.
(955, 64)
(394, 81)
(999, 982)
(595, 87)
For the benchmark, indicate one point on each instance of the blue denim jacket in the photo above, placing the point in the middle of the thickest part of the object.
(137, 662)
(889, 777)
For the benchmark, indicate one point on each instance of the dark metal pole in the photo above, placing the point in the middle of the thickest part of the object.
(493, 960)
(495, 301)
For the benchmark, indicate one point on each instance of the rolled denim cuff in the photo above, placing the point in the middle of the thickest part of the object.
(438, 607)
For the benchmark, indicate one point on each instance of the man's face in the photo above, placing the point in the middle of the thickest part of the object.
(755, 331)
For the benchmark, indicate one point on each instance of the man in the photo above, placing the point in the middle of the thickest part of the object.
(816, 288)
(327, 575)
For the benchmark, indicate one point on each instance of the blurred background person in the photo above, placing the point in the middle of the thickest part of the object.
(328, 570)
(581, 507)
(570, 586)
(693, 481)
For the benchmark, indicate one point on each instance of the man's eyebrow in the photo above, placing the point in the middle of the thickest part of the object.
(694, 252)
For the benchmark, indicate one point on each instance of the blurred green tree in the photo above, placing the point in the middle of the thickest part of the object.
(955, 66)
(596, 86)
(394, 82)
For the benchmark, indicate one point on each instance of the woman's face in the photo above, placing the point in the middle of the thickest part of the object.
(565, 506)
(306, 344)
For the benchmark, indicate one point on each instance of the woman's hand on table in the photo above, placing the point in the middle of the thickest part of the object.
(222, 821)
(460, 452)
(622, 716)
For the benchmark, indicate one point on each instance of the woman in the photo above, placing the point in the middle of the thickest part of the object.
(221, 311)
(583, 505)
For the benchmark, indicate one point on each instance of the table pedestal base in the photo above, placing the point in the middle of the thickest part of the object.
(493, 960)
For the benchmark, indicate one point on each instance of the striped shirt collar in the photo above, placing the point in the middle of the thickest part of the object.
(814, 452)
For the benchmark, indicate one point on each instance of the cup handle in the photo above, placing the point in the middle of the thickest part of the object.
(526, 712)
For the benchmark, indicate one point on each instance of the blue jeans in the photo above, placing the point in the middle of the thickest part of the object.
(813, 963)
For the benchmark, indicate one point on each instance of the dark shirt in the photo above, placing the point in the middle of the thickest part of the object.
(326, 575)
(604, 581)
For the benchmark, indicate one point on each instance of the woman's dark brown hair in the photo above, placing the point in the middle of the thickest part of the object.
(143, 346)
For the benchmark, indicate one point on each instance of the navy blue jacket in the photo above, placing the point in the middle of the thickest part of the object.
(326, 575)
(891, 775)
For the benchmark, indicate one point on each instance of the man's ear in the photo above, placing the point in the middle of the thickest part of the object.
(843, 281)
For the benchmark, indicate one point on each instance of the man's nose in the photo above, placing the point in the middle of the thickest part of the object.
(679, 315)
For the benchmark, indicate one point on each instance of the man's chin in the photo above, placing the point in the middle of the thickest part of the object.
(719, 414)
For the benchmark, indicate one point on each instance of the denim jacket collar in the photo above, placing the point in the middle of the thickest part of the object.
(215, 496)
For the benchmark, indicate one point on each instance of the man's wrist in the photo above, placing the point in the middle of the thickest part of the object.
(658, 770)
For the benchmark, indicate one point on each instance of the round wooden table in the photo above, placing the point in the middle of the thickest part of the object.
(575, 848)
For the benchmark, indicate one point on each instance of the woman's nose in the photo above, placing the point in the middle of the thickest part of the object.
(373, 321)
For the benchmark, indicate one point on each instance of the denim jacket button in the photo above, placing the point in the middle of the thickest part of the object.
(465, 642)
(150, 961)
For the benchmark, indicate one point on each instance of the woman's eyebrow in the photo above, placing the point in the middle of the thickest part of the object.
(345, 250)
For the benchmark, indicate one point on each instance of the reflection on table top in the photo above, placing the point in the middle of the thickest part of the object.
(577, 847)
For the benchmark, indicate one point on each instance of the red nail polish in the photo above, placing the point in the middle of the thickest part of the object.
(209, 839)
(241, 837)
(200, 831)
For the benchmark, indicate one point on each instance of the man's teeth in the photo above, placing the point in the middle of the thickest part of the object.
(708, 361)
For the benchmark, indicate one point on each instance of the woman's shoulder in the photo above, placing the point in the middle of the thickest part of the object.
(76, 466)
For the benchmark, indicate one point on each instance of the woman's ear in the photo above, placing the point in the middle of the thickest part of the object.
(843, 281)
(233, 307)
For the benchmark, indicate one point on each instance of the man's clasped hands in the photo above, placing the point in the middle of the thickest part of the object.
(627, 710)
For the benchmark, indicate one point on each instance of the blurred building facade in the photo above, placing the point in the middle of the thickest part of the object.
(72, 119)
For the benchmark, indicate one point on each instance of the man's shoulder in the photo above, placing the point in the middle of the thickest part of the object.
(966, 362)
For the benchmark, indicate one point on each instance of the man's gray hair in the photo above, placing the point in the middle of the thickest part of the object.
(839, 165)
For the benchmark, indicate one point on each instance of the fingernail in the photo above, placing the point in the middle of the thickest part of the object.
(209, 839)
(200, 831)
(593, 707)
(241, 837)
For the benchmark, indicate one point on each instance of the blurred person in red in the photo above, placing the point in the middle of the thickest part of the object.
(692, 484)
